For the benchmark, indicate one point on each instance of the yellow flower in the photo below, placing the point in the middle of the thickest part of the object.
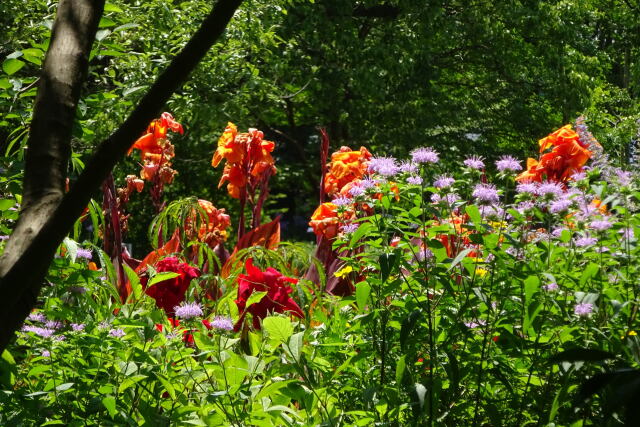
(343, 271)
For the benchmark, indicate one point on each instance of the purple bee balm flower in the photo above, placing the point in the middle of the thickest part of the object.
(59, 338)
(624, 177)
(117, 333)
(600, 225)
(223, 323)
(451, 198)
(425, 155)
(550, 190)
(188, 311)
(414, 180)
(350, 228)
(43, 332)
(585, 241)
(486, 193)
(473, 325)
(559, 206)
(492, 212)
(526, 206)
(4, 237)
(444, 181)
(408, 167)
(53, 324)
(527, 187)
(385, 166)
(627, 233)
(367, 183)
(84, 253)
(551, 287)
(356, 191)
(579, 176)
(104, 325)
(37, 317)
(583, 309)
(423, 254)
(46, 353)
(602, 249)
(77, 327)
(474, 162)
(508, 164)
(342, 201)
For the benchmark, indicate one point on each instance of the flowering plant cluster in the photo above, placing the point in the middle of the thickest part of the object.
(436, 295)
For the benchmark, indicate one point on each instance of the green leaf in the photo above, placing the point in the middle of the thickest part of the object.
(400, 368)
(279, 328)
(109, 403)
(531, 286)
(387, 262)
(5, 83)
(134, 280)
(295, 345)
(160, 277)
(255, 297)
(590, 271)
(459, 258)
(110, 7)
(363, 229)
(11, 66)
(72, 248)
(363, 289)
(65, 386)
(474, 214)
(5, 204)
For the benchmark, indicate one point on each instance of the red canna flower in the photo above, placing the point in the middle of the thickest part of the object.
(277, 299)
(171, 292)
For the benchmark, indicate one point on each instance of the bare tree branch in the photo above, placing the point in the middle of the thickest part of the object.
(22, 271)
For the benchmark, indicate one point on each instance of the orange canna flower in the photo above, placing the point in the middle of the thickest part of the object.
(212, 230)
(150, 142)
(346, 166)
(567, 157)
(247, 154)
(227, 147)
(324, 220)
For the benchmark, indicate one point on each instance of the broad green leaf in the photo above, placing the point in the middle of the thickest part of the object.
(531, 286)
(279, 328)
(72, 248)
(255, 297)
(109, 403)
(401, 365)
(363, 289)
(295, 345)
(12, 66)
(160, 277)
(474, 214)
(134, 281)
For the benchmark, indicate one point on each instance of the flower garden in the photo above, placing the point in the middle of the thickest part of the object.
(503, 292)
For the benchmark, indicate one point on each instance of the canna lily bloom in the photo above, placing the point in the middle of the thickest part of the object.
(567, 156)
(346, 166)
(228, 148)
(171, 292)
(212, 230)
(324, 220)
(276, 300)
(156, 132)
(248, 158)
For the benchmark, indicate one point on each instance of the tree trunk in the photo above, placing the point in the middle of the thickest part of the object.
(47, 216)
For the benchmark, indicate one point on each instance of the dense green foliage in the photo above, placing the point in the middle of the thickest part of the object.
(480, 77)
(493, 307)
